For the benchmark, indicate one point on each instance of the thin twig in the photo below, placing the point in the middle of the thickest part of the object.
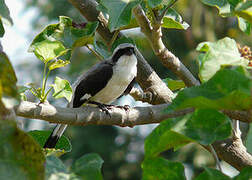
(217, 161)
(115, 35)
(95, 53)
(159, 18)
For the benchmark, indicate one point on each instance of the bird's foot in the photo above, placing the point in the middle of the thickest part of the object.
(104, 107)
(125, 107)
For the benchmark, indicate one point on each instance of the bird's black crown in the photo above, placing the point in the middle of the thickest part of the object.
(128, 51)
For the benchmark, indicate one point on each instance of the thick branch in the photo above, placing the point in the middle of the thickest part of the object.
(169, 60)
(233, 152)
(91, 115)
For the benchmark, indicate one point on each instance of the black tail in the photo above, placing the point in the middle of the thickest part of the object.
(55, 136)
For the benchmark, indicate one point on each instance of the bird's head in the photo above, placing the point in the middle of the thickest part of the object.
(125, 49)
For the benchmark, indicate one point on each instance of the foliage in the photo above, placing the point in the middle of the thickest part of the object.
(21, 157)
(86, 167)
(8, 90)
(226, 84)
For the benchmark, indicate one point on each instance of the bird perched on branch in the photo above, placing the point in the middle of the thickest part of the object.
(102, 84)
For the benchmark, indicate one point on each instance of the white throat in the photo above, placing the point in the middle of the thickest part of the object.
(124, 71)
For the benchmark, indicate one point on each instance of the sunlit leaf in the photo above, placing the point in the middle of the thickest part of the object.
(20, 157)
(41, 137)
(57, 64)
(244, 25)
(62, 88)
(162, 169)
(62, 38)
(227, 89)
(244, 10)
(174, 84)
(119, 12)
(173, 20)
(217, 54)
(49, 50)
(88, 167)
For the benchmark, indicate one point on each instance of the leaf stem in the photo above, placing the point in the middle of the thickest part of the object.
(47, 93)
(43, 83)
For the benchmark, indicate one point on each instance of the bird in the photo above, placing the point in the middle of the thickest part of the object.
(102, 84)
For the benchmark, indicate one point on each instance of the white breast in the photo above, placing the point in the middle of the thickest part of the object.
(124, 71)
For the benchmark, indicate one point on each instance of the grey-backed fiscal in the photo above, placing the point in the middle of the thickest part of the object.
(102, 84)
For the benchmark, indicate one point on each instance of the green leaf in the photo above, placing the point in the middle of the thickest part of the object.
(132, 24)
(102, 49)
(174, 84)
(154, 3)
(55, 169)
(223, 6)
(162, 169)
(2, 31)
(8, 89)
(246, 173)
(173, 20)
(206, 126)
(57, 64)
(63, 37)
(21, 92)
(244, 25)
(217, 54)
(227, 89)
(20, 157)
(121, 40)
(244, 10)
(62, 88)
(5, 13)
(158, 3)
(164, 137)
(249, 140)
(41, 137)
(88, 167)
(48, 50)
(212, 174)
(119, 12)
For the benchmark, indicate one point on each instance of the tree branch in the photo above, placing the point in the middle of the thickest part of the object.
(92, 115)
(169, 60)
(233, 152)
